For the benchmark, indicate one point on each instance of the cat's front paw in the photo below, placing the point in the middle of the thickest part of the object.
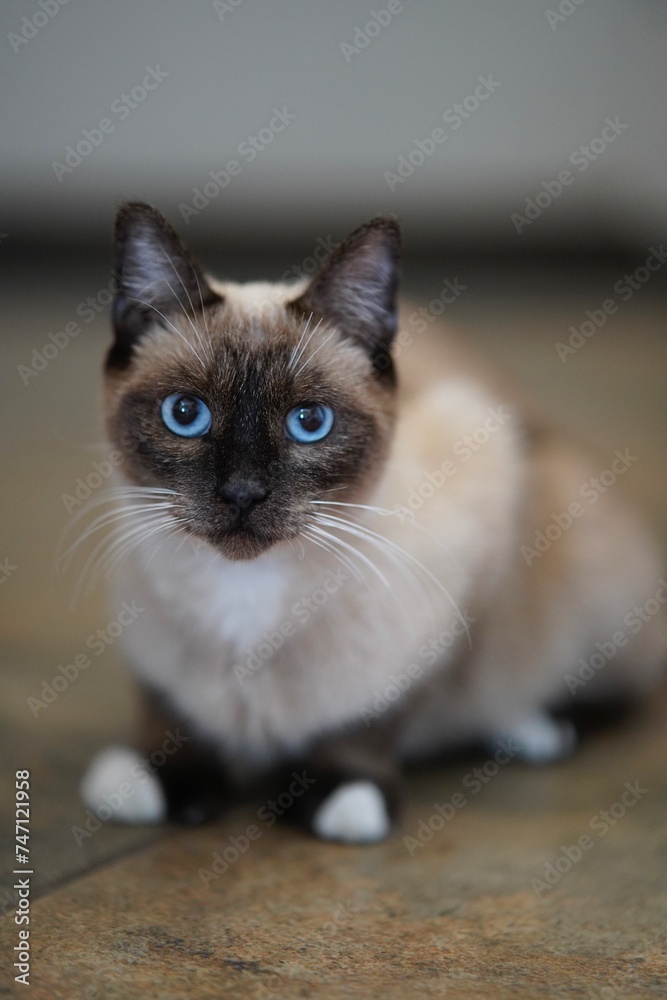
(117, 780)
(354, 813)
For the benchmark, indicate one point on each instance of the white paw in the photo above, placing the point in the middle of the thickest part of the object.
(541, 739)
(117, 786)
(354, 813)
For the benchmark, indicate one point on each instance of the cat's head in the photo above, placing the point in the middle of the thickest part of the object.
(251, 401)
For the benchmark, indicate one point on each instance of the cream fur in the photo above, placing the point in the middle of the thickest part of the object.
(204, 615)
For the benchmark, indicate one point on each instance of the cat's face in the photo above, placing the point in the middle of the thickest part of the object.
(251, 402)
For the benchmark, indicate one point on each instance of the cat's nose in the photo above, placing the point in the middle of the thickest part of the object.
(242, 494)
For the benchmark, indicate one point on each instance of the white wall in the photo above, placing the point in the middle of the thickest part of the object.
(353, 118)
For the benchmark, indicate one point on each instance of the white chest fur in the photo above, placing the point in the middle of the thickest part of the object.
(232, 603)
(262, 655)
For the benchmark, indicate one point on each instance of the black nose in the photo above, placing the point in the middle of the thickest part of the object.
(242, 494)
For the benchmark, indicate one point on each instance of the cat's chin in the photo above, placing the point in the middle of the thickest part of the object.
(243, 545)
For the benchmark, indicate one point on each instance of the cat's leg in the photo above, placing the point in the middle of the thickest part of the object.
(540, 739)
(170, 774)
(353, 786)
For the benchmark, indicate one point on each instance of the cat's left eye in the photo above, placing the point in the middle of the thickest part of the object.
(309, 423)
(186, 415)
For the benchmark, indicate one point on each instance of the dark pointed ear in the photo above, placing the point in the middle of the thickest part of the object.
(355, 289)
(156, 277)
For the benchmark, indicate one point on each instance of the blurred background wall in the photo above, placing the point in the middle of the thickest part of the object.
(362, 85)
(521, 143)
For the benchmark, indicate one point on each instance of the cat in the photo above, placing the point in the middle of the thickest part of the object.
(349, 545)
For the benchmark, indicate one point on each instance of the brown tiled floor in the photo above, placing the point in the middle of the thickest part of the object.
(126, 914)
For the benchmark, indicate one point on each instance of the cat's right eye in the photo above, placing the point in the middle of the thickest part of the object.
(187, 416)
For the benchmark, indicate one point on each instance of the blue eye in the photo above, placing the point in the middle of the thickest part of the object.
(185, 415)
(309, 423)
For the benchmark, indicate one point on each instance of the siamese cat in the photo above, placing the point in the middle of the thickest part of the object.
(348, 545)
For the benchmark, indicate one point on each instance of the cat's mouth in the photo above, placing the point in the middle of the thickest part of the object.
(240, 535)
(241, 544)
(241, 541)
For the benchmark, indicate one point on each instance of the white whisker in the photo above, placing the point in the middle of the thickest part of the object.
(400, 553)
(330, 547)
(203, 312)
(115, 493)
(312, 334)
(104, 520)
(361, 506)
(90, 570)
(405, 571)
(302, 551)
(386, 512)
(190, 320)
(169, 533)
(121, 549)
(360, 555)
(114, 544)
(170, 324)
(308, 360)
(295, 350)
(112, 495)
(350, 548)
